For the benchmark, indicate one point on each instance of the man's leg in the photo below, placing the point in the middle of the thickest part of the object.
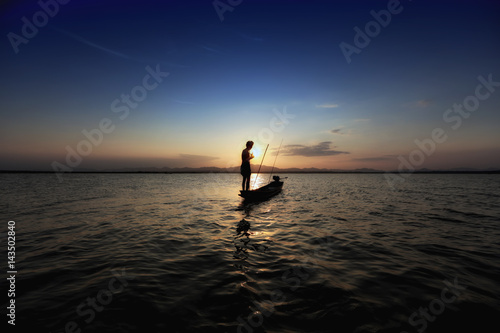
(248, 182)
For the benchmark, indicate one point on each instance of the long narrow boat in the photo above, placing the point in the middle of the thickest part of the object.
(264, 192)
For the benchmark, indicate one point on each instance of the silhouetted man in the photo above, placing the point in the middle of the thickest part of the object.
(245, 170)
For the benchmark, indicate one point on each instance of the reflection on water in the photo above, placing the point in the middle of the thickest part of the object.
(339, 252)
(243, 242)
(259, 180)
(242, 239)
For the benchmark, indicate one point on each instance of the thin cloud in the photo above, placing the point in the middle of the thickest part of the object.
(375, 159)
(197, 158)
(423, 103)
(327, 106)
(255, 39)
(183, 102)
(321, 149)
(337, 131)
(212, 50)
(94, 45)
(172, 64)
(113, 52)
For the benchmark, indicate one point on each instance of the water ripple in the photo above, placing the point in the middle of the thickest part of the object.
(339, 252)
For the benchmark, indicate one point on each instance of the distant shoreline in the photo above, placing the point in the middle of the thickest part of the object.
(283, 172)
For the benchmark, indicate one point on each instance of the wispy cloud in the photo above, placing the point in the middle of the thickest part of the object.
(197, 158)
(321, 149)
(252, 38)
(212, 50)
(327, 106)
(115, 53)
(183, 102)
(423, 103)
(94, 45)
(337, 131)
(176, 65)
(375, 159)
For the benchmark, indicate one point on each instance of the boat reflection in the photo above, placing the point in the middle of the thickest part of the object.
(247, 207)
(243, 242)
(242, 239)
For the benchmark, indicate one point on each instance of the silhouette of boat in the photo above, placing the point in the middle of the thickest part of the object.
(264, 192)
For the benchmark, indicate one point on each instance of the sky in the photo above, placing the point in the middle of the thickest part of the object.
(330, 84)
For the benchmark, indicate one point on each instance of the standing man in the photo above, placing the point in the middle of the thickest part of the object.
(245, 170)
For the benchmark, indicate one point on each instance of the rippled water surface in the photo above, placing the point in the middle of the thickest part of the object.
(182, 253)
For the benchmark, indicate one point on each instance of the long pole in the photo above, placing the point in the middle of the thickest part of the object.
(275, 161)
(260, 166)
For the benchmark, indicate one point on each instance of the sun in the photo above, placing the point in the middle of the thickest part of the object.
(256, 152)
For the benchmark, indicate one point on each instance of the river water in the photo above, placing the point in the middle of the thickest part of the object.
(182, 253)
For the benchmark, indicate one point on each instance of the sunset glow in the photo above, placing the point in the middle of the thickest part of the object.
(181, 88)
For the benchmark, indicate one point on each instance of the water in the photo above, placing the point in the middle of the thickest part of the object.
(180, 253)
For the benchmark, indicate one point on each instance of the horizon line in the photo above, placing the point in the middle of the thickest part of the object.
(288, 170)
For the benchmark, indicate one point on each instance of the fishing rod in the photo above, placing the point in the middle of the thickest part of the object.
(260, 166)
(275, 161)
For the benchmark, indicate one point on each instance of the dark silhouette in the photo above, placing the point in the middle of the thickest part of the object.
(245, 169)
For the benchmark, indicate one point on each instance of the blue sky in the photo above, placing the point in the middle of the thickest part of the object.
(228, 78)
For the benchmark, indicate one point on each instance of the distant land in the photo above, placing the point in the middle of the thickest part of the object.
(264, 169)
